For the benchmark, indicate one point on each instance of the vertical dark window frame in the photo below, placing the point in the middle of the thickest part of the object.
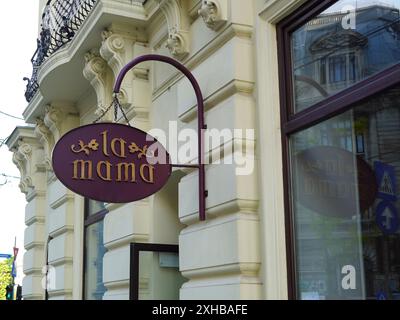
(88, 221)
(135, 249)
(330, 107)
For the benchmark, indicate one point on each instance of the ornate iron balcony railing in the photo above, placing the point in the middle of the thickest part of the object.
(61, 20)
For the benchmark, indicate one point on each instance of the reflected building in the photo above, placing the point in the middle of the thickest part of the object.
(329, 58)
(330, 55)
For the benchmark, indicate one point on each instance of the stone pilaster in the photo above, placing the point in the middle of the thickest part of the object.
(29, 157)
(221, 257)
(61, 225)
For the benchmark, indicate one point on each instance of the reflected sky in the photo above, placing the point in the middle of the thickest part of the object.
(362, 3)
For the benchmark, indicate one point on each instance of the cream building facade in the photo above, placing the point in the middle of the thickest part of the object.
(231, 47)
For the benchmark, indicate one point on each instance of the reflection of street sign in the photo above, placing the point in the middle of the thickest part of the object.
(387, 218)
(14, 270)
(381, 296)
(15, 253)
(386, 179)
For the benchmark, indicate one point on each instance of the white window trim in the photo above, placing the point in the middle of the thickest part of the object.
(272, 213)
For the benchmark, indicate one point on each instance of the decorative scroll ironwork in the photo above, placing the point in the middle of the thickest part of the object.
(61, 20)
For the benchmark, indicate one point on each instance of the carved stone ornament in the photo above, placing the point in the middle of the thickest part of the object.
(95, 65)
(118, 49)
(53, 119)
(176, 44)
(22, 158)
(211, 13)
(45, 136)
(112, 49)
(95, 71)
(177, 17)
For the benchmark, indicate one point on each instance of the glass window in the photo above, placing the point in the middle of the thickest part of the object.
(337, 68)
(159, 276)
(154, 272)
(94, 251)
(348, 42)
(95, 207)
(345, 200)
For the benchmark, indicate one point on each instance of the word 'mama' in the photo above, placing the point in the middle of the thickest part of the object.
(125, 169)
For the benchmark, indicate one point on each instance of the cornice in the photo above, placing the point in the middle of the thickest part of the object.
(33, 110)
(20, 132)
(275, 10)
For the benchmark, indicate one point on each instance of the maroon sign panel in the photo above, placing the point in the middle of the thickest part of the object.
(111, 162)
(334, 182)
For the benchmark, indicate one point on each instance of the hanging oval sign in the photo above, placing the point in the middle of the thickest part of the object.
(334, 182)
(111, 162)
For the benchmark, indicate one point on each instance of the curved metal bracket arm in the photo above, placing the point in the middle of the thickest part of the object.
(200, 117)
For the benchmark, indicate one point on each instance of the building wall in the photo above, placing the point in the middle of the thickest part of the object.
(239, 252)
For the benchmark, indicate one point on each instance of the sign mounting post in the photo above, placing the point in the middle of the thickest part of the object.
(200, 117)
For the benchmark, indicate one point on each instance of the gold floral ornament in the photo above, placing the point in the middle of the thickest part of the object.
(133, 148)
(92, 145)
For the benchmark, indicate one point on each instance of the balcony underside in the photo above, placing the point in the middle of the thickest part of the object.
(60, 77)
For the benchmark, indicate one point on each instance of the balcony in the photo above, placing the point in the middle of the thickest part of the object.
(61, 20)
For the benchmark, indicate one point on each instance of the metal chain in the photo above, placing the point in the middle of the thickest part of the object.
(104, 113)
(124, 114)
(116, 104)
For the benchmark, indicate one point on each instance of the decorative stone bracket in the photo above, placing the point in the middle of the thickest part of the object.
(27, 156)
(95, 71)
(46, 139)
(121, 44)
(21, 159)
(56, 122)
(177, 16)
(214, 13)
(118, 47)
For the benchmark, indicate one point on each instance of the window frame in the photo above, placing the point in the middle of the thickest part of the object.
(135, 249)
(88, 221)
(331, 106)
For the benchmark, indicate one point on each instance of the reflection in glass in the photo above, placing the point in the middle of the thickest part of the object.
(159, 276)
(95, 207)
(349, 42)
(345, 182)
(95, 250)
